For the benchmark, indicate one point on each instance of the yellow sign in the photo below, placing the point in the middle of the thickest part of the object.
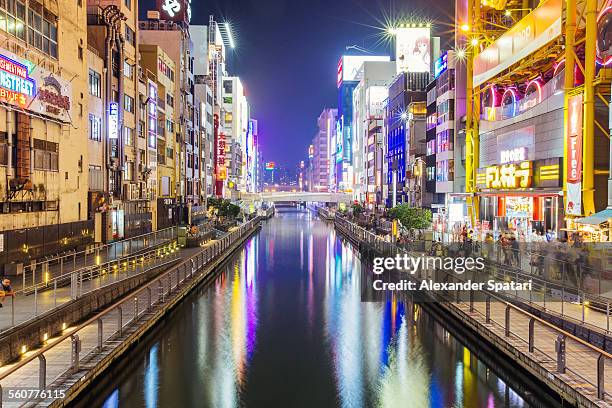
(509, 176)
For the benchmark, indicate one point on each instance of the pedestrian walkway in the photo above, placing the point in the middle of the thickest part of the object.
(37, 273)
(25, 307)
(59, 366)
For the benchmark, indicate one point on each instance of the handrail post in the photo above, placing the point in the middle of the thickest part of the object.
(601, 379)
(149, 297)
(507, 321)
(42, 372)
(531, 334)
(12, 312)
(560, 349)
(488, 309)
(135, 309)
(119, 320)
(100, 334)
(471, 300)
(76, 349)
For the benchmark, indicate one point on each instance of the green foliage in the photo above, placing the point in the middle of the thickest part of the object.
(410, 217)
(223, 208)
(358, 210)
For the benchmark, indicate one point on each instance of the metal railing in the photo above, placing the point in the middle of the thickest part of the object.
(45, 270)
(569, 353)
(48, 295)
(89, 339)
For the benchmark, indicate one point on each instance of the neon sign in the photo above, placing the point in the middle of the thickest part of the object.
(509, 176)
(221, 169)
(16, 86)
(513, 155)
(441, 65)
(152, 115)
(113, 120)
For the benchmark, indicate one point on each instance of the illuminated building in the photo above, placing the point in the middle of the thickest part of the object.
(407, 87)
(170, 31)
(159, 127)
(43, 142)
(528, 103)
(347, 71)
(322, 150)
(368, 142)
(234, 122)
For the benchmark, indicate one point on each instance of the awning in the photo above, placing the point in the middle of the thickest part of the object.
(597, 219)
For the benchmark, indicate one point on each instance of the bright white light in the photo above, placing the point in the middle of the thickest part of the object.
(230, 36)
(404, 116)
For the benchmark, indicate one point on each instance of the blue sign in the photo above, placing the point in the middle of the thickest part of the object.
(441, 65)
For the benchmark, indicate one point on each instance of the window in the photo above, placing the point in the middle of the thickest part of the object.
(40, 32)
(227, 86)
(46, 156)
(80, 53)
(128, 171)
(128, 4)
(4, 151)
(95, 128)
(128, 104)
(95, 84)
(130, 36)
(141, 129)
(128, 70)
(128, 136)
(170, 100)
(169, 126)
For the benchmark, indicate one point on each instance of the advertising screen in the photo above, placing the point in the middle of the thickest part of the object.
(348, 66)
(270, 166)
(413, 49)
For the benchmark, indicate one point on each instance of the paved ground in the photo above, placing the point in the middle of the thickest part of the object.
(27, 307)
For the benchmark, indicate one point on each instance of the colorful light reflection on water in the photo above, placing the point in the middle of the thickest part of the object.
(284, 325)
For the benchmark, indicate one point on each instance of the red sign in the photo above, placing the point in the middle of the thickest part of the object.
(574, 139)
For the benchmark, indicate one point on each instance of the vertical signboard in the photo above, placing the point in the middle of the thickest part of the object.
(573, 201)
(152, 114)
(221, 169)
(175, 10)
(413, 49)
(113, 120)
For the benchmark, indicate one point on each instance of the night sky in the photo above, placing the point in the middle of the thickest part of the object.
(287, 53)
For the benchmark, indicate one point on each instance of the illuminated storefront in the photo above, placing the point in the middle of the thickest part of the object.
(520, 196)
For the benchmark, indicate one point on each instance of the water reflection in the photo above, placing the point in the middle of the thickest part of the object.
(284, 325)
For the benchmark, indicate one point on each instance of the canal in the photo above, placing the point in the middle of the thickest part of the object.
(283, 325)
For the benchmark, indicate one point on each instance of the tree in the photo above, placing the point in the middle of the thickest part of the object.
(224, 208)
(357, 210)
(411, 218)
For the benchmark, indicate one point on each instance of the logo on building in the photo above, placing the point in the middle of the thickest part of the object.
(509, 176)
(50, 94)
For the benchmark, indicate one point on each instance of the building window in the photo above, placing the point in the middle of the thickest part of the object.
(169, 126)
(170, 100)
(46, 156)
(130, 36)
(128, 104)
(128, 136)
(4, 150)
(128, 70)
(95, 128)
(128, 4)
(40, 33)
(141, 129)
(227, 86)
(128, 171)
(95, 84)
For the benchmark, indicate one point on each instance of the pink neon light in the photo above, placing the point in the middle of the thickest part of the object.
(538, 86)
(603, 12)
(514, 98)
(557, 65)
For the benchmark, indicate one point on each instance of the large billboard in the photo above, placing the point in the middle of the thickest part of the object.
(534, 31)
(573, 202)
(413, 49)
(349, 65)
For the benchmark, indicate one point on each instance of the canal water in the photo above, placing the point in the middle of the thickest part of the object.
(284, 326)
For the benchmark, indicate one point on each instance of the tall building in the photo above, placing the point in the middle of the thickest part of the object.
(407, 88)
(368, 100)
(322, 150)
(348, 68)
(172, 34)
(159, 126)
(234, 123)
(43, 141)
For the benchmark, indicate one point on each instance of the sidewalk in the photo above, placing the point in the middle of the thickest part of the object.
(68, 264)
(27, 307)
